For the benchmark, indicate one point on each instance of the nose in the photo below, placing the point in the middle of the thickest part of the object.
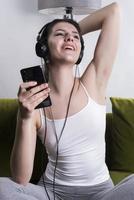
(69, 37)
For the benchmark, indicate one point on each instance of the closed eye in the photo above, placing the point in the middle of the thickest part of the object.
(76, 37)
(62, 33)
(59, 34)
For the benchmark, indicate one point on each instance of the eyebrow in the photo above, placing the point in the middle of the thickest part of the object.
(65, 30)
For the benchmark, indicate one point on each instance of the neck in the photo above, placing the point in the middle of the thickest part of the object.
(61, 79)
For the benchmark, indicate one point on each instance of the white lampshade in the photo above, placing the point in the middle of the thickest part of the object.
(80, 7)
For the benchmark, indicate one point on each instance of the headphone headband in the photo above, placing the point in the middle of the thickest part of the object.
(41, 47)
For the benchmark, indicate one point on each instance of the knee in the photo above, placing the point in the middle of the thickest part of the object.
(3, 182)
(7, 187)
(3, 187)
(6, 183)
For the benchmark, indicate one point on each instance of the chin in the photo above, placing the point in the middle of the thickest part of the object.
(71, 60)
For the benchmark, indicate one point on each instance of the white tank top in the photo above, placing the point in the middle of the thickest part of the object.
(81, 159)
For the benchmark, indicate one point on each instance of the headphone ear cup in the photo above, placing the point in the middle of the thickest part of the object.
(41, 50)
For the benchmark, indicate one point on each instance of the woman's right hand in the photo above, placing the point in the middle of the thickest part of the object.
(29, 99)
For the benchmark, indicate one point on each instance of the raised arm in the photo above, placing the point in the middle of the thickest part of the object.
(97, 73)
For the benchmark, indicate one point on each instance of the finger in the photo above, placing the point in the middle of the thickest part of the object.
(37, 99)
(36, 103)
(43, 94)
(25, 86)
(37, 89)
(28, 84)
(29, 97)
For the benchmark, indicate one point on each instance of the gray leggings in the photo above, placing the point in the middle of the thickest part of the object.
(10, 190)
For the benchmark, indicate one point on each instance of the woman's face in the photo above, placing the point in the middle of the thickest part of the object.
(64, 43)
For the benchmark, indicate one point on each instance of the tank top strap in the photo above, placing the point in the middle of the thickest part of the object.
(85, 90)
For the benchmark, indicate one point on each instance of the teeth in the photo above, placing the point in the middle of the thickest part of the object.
(71, 48)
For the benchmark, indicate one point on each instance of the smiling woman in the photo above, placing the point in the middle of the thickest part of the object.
(64, 43)
(73, 128)
(61, 29)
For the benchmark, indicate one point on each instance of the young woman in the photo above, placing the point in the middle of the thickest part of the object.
(73, 128)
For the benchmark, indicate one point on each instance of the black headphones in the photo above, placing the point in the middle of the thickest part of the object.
(41, 46)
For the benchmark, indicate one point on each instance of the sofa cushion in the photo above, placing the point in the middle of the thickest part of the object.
(122, 135)
(8, 112)
(118, 176)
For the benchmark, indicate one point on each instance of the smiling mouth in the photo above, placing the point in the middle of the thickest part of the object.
(69, 47)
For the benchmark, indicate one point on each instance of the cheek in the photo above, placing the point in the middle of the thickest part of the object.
(79, 47)
(54, 46)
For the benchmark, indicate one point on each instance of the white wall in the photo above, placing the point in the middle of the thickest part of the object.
(19, 25)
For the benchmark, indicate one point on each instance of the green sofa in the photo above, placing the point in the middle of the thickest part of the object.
(8, 111)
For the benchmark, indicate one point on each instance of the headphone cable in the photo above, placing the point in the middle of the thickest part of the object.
(57, 139)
